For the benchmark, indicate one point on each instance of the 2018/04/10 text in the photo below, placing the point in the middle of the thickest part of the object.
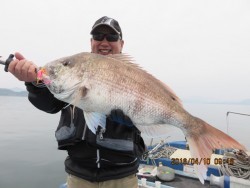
(205, 161)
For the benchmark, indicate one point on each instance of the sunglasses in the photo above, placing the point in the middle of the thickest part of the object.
(109, 37)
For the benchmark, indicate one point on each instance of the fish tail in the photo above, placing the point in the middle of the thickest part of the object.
(203, 142)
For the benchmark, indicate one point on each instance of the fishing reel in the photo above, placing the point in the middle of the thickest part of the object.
(7, 62)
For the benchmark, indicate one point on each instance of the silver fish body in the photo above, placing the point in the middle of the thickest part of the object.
(101, 84)
(97, 84)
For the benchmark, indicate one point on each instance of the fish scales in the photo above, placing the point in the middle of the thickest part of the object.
(107, 74)
(129, 82)
(98, 84)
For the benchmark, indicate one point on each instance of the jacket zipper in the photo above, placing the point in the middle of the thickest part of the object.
(98, 158)
(84, 131)
(101, 133)
(98, 151)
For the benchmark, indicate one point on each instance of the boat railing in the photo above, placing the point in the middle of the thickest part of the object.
(235, 113)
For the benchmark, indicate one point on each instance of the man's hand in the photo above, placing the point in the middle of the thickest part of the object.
(119, 117)
(23, 69)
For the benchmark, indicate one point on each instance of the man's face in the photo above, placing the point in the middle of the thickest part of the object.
(106, 47)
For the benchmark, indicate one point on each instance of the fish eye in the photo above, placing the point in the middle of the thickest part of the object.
(66, 63)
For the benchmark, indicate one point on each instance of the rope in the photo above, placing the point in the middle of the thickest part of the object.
(237, 164)
(159, 151)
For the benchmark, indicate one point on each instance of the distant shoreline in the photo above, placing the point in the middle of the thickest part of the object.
(23, 93)
(9, 92)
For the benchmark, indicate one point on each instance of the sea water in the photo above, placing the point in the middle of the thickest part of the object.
(28, 149)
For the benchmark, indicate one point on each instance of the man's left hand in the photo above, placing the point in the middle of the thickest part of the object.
(119, 117)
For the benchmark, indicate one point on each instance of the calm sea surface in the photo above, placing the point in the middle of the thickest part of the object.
(28, 150)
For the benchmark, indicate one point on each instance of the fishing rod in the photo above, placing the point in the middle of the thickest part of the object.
(229, 112)
(6, 62)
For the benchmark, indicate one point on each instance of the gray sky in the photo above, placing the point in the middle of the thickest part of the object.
(199, 48)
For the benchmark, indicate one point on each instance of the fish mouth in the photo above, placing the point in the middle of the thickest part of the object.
(56, 90)
(46, 74)
(61, 93)
(46, 80)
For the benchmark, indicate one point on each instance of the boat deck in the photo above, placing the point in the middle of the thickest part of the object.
(181, 181)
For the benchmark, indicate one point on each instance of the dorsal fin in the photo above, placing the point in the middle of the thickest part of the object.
(121, 57)
(125, 58)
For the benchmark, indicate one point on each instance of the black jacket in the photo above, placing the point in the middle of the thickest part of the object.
(110, 154)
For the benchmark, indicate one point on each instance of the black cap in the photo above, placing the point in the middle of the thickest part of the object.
(106, 21)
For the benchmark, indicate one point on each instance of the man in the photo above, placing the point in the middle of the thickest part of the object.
(108, 159)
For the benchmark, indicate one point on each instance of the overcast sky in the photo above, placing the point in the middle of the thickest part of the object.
(198, 48)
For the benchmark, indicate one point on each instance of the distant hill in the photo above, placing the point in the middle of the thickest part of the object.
(246, 101)
(9, 92)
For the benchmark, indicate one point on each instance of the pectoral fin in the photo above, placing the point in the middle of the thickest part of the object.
(95, 119)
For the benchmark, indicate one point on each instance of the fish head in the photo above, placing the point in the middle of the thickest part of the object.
(63, 76)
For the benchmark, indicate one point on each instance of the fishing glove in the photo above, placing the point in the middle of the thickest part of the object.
(119, 117)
